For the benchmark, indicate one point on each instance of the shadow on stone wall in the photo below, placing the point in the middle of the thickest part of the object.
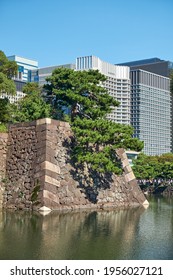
(90, 182)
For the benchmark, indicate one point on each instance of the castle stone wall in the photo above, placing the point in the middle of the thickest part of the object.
(40, 173)
(3, 154)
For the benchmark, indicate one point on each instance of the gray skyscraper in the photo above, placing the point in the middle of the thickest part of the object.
(158, 81)
(151, 111)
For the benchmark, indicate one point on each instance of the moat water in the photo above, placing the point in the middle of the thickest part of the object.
(134, 233)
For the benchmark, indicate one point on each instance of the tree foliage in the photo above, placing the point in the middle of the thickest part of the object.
(96, 138)
(4, 115)
(32, 106)
(68, 88)
(8, 69)
(153, 167)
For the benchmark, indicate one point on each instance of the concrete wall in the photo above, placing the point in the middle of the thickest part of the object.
(40, 173)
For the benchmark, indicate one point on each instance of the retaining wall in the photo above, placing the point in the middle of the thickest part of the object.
(40, 173)
(3, 154)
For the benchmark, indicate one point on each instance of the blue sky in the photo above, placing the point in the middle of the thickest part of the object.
(57, 31)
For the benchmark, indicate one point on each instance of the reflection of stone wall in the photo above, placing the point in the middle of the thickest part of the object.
(40, 172)
(72, 235)
(3, 151)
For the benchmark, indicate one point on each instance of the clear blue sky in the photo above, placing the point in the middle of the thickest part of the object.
(57, 31)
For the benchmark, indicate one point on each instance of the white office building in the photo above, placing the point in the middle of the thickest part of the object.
(117, 84)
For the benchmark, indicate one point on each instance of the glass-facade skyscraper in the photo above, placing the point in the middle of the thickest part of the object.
(151, 111)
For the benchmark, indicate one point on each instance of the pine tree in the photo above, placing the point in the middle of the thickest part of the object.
(95, 137)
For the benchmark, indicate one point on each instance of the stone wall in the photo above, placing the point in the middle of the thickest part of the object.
(40, 173)
(3, 152)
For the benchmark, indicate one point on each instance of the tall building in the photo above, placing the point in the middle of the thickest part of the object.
(25, 66)
(151, 111)
(23, 75)
(117, 84)
(19, 92)
(157, 66)
(154, 65)
(41, 74)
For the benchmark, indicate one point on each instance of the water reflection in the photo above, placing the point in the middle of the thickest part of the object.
(135, 233)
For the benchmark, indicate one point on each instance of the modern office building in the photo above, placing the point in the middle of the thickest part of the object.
(157, 66)
(25, 66)
(154, 65)
(117, 84)
(19, 92)
(41, 74)
(151, 111)
(22, 77)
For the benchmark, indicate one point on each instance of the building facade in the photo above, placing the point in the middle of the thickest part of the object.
(25, 66)
(22, 77)
(154, 65)
(157, 66)
(117, 84)
(151, 111)
(41, 74)
(19, 92)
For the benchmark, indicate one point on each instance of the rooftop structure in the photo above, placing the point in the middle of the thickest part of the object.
(154, 65)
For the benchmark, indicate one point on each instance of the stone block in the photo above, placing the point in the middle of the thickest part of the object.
(50, 151)
(129, 176)
(51, 159)
(120, 151)
(40, 128)
(52, 174)
(51, 204)
(51, 188)
(40, 159)
(127, 169)
(50, 166)
(52, 127)
(123, 156)
(43, 121)
(133, 183)
(125, 162)
(55, 122)
(52, 181)
(51, 196)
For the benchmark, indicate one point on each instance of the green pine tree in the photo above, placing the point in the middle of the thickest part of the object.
(96, 138)
(8, 70)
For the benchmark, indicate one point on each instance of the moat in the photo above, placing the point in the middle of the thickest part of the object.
(133, 233)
